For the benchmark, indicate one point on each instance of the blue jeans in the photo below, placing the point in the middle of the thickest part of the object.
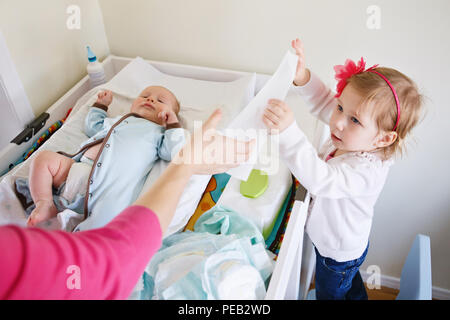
(339, 280)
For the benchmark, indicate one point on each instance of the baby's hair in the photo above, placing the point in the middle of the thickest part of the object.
(378, 96)
(177, 105)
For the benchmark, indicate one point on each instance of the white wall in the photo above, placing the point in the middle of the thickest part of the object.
(49, 57)
(252, 35)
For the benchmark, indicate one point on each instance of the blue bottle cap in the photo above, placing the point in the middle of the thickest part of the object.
(91, 55)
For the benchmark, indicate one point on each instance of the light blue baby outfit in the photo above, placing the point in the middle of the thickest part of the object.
(128, 154)
(224, 258)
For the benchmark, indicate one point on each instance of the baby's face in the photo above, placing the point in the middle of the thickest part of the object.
(351, 130)
(152, 101)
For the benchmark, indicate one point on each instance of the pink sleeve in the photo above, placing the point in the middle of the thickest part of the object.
(104, 263)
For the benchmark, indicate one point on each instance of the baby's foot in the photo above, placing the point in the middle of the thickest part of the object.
(44, 210)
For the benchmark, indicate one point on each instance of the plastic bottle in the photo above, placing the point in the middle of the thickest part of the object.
(95, 70)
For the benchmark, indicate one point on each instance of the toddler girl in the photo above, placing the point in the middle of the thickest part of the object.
(369, 117)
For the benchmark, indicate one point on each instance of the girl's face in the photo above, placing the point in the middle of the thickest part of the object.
(351, 130)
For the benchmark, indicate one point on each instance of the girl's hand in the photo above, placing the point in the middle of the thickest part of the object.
(168, 117)
(278, 115)
(105, 98)
(302, 75)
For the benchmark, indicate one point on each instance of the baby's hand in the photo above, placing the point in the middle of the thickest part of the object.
(278, 115)
(105, 98)
(168, 117)
(302, 74)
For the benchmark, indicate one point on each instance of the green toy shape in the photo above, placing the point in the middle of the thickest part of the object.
(256, 184)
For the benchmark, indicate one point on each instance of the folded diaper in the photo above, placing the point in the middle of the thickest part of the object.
(76, 183)
(224, 258)
(230, 276)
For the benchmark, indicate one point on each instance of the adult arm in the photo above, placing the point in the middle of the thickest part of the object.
(196, 157)
(102, 263)
(105, 263)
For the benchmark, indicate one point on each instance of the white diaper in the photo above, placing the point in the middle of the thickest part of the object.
(69, 198)
(77, 180)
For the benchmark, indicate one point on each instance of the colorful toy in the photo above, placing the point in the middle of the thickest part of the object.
(41, 140)
(44, 137)
(257, 183)
(209, 198)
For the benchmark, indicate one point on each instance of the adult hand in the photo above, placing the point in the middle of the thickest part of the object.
(208, 152)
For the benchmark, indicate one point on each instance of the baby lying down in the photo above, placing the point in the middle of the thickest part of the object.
(109, 171)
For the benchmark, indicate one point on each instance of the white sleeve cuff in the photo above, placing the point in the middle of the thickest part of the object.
(291, 135)
(310, 87)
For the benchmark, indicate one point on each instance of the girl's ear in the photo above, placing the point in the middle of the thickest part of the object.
(385, 139)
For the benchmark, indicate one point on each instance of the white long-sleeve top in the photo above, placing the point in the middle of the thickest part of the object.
(343, 190)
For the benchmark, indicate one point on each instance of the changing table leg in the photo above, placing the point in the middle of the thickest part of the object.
(308, 267)
(292, 290)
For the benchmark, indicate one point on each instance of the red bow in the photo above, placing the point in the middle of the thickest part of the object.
(343, 72)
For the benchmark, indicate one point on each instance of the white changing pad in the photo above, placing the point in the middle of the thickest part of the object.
(231, 97)
(264, 209)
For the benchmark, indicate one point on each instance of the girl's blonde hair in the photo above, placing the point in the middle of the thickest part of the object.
(379, 100)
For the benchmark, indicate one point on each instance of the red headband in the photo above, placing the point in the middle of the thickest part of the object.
(343, 72)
